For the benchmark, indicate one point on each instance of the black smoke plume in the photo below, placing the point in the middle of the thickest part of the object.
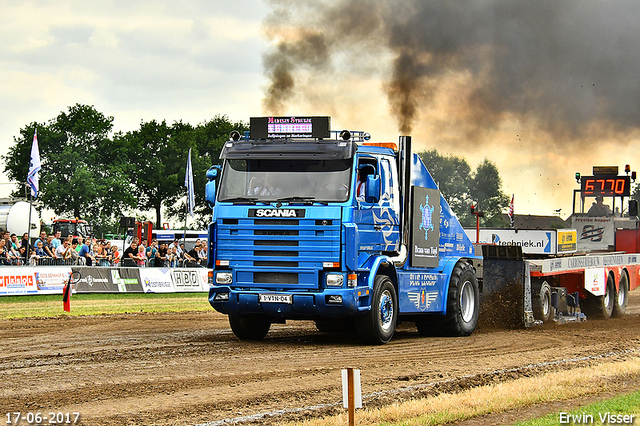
(565, 64)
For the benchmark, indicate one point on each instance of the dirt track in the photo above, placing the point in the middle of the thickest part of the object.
(188, 368)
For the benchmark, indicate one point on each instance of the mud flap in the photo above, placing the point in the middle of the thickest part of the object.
(506, 289)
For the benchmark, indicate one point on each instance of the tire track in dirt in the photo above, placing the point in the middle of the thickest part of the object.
(188, 368)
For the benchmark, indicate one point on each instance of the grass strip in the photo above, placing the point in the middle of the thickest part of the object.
(99, 303)
(623, 409)
(495, 398)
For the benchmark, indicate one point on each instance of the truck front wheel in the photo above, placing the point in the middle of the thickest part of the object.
(249, 327)
(620, 302)
(378, 325)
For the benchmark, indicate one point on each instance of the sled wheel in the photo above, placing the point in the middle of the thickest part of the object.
(622, 297)
(377, 326)
(250, 327)
(600, 306)
(542, 309)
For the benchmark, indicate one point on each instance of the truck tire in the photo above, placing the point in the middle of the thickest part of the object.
(622, 297)
(249, 327)
(600, 307)
(378, 325)
(541, 303)
(463, 305)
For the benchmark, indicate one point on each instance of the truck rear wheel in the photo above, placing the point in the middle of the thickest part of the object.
(249, 327)
(600, 306)
(463, 303)
(378, 325)
(541, 303)
(622, 297)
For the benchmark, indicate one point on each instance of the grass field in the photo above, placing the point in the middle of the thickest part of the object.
(95, 304)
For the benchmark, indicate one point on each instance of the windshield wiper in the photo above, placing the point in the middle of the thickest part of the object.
(242, 200)
(306, 200)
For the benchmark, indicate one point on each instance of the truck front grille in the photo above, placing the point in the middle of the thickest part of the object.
(272, 253)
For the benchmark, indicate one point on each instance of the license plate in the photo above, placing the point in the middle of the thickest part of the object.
(276, 298)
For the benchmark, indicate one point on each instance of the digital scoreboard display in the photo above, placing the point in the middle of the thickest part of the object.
(606, 186)
(289, 127)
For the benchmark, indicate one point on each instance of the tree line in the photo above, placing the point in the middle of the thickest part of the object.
(91, 173)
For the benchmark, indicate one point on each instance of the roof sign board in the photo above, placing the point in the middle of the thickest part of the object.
(289, 127)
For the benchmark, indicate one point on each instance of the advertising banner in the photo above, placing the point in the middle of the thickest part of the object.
(156, 280)
(532, 241)
(127, 280)
(51, 280)
(594, 233)
(95, 280)
(195, 279)
(16, 281)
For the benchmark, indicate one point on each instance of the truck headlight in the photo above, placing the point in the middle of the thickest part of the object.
(224, 278)
(334, 280)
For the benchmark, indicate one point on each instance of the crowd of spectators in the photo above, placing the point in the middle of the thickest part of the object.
(54, 250)
(165, 255)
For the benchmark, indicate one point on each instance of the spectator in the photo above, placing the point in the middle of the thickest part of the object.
(99, 254)
(195, 255)
(74, 257)
(151, 253)
(161, 256)
(43, 238)
(115, 255)
(80, 243)
(37, 254)
(141, 255)
(48, 247)
(55, 242)
(4, 254)
(84, 253)
(130, 255)
(13, 242)
(24, 246)
(13, 254)
(203, 254)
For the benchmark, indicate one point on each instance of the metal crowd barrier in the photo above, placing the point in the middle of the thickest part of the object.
(127, 263)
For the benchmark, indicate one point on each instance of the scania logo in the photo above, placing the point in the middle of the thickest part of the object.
(275, 213)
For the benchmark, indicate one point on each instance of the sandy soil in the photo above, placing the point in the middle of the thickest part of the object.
(188, 368)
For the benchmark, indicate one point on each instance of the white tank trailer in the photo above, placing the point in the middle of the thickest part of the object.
(14, 217)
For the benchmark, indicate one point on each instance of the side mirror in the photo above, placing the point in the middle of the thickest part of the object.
(372, 190)
(210, 187)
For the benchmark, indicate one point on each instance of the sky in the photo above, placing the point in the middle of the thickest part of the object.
(541, 88)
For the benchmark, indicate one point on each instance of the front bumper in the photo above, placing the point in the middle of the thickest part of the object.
(305, 304)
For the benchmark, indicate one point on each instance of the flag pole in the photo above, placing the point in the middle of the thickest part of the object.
(32, 181)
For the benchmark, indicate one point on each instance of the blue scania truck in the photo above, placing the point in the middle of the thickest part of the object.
(314, 224)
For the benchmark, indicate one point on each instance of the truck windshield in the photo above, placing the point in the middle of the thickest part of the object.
(255, 180)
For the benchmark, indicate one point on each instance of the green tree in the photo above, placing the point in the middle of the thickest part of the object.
(485, 189)
(82, 173)
(207, 140)
(463, 188)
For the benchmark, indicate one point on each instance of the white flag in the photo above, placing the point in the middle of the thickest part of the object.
(188, 182)
(34, 166)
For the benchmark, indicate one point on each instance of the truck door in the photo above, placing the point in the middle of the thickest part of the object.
(378, 221)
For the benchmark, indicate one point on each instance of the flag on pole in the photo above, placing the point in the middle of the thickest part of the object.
(510, 213)
(66, 296)
(34, 166)
(188, 182)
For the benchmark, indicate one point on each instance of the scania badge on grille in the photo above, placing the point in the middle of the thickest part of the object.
(276, 213)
